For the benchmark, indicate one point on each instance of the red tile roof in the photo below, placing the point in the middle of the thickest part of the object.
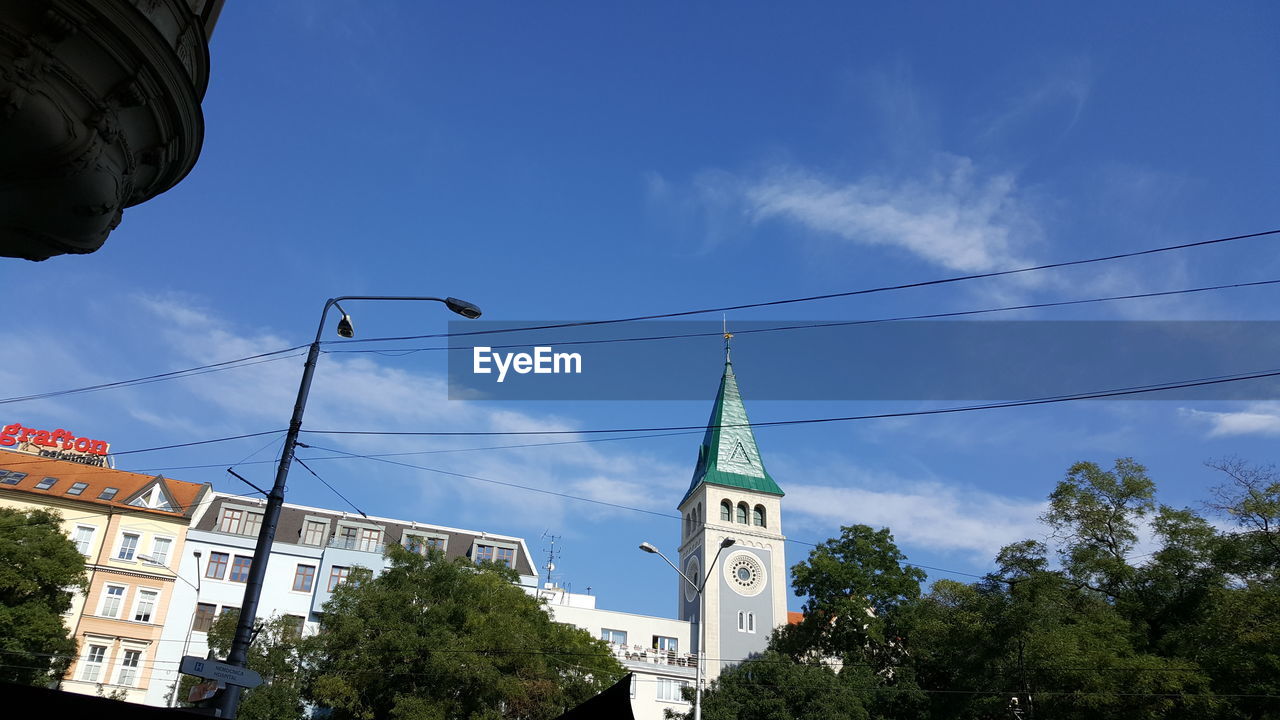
(794, 618)
(184, 495)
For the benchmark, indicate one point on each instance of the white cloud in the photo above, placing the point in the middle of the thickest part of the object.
(923, 514)
(954, 215)
(1261, 418)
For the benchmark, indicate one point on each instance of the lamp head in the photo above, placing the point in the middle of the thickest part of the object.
(727, 542)
(345, 328)
(467, 310)
(649, 548)
(196, 553)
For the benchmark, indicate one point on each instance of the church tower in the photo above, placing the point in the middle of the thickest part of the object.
(732, 496)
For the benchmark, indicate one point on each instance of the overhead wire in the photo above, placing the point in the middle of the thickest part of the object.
(829, 296)
(1047, 400)
(401, 352)
(851, 293)
(174, 374)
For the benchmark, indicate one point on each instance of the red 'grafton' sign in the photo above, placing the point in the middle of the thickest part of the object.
(59, 439)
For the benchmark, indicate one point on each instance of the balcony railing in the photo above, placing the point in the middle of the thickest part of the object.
(340, 543)
(640, 654)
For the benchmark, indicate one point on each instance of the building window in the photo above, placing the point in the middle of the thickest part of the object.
(160, 550)
(633, 686)
(757, 516)
(112, 598)
(205, 613)
(145, 605)
(46, 483)
(128, 546)
(128, 673)
(108, 493)
(337, 576)
(492, 553)
(92, 669)
(304, 578)
(296, 623)
(421, 543)
(84, 539)
(77, 488)
(617, 637)
(669, 690)
(742, 513)
(9, 477)
(751, 622)
(240, 522)
(240, 569)
(665, 643)
(742, 621)
(726, 511)
(230, 520)
(314, 533)
(229, 610)
(370, 539)
(217, 565)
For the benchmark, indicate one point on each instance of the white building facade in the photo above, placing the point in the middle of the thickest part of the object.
(656, 650)
(314, 551)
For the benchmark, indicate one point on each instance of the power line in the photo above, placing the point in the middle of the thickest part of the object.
(1119, 392)
(829, 296)
(227, 364)
(399, 352)
(440, 451)
(175, 374)
(593, 501)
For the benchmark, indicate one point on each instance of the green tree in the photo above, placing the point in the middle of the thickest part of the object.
(1096, 514)
(40, 570)
(430, 639)
(774, 686)
(1251, 498)
(277, 653)
(854, 586)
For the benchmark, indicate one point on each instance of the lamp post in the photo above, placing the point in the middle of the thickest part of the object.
(702, 615)
(229, 702)
(191, 624)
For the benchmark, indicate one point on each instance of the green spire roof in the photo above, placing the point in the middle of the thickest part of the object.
(728, 455)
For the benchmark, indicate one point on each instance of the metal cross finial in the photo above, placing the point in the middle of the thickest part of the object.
(724, 320)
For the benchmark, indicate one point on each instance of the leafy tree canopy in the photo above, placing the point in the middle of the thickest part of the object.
(431, 639)
(40, 569)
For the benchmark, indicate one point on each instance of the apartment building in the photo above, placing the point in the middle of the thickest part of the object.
(656, 650)
(131, 529)
(315, 550)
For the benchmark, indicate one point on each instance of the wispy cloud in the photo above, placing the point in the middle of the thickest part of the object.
(1261, 418)
(954, 216)
(925, 513)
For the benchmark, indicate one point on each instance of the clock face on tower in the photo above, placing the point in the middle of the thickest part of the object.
(745, 573)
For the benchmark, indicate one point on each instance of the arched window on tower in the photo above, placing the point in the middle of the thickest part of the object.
(757, 516)
(726, 511)
(751, 622)
(742, 513)
(742, 622)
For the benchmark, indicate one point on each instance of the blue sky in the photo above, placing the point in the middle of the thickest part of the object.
(563, 162)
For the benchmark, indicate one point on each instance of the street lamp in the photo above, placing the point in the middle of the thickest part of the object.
(229, 702)
(702, 615)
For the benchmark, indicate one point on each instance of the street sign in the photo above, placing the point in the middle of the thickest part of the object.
(214, 670)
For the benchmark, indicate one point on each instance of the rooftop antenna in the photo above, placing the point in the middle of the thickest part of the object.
(552, 555)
